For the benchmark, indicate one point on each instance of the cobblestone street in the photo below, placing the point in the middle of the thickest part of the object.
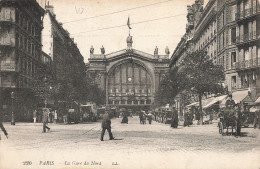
(142, 146)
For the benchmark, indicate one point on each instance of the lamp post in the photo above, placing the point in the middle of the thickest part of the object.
(13, 119)
(45, 90)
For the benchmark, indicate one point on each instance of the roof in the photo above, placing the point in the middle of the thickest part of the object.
(215, 100)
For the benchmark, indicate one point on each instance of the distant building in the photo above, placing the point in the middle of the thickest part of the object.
(129, 77)
(20, 55)
(68, 63)
(229, 31)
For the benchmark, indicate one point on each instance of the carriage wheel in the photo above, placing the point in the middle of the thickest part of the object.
(220, 128)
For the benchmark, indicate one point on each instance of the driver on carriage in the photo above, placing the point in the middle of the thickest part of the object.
(230, 103)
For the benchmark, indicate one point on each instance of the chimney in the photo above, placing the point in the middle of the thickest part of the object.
(49, 8)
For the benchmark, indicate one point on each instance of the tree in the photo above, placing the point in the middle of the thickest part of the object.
(169, 88)
(201, 76)
(94, 93)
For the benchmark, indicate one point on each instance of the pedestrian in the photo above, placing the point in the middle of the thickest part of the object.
(34, 116)
(144, 117)
(55, 116)
(51, 116)
(149, 117)
(45, 119)
(175, 118)
(106, 125)
(2, 127)
(65, 118)
(141, 116)
(186, 122)
(125, 118)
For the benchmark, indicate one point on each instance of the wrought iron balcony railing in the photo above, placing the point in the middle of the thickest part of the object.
(247, 64)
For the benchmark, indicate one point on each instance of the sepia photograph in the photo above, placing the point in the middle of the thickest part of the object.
(130, 84)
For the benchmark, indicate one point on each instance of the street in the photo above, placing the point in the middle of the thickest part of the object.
(136, 146)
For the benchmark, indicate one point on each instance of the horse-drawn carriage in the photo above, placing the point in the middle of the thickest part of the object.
(234, 119)
(229, 118)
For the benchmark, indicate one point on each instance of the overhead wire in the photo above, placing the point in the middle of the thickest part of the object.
(135, 23)
(111, 13)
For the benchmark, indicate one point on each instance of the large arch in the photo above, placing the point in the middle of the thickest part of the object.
(129, 83)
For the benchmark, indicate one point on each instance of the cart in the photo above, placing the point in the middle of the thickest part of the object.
(229, 118)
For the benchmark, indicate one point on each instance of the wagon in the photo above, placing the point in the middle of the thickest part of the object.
(229, 119)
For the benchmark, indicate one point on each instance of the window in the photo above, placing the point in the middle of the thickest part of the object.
(233, 35)
(233, 12)
(233, 81)
(247, 55)
(233, 57)
(122, 101)
(110, 101)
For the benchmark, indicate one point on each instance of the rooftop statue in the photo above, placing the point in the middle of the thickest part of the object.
(156, 51)
(167, 51)
(102, 50)
(91, 50)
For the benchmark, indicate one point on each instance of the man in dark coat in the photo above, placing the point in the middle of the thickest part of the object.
(175, 118)
(2, 126)
(230, 103)
(106, 125)
(45, 115)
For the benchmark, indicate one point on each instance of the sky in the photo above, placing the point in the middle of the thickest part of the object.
(79, 17)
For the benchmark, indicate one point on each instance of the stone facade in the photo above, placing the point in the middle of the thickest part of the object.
(20, 54)
(129, 77)
(228, 31)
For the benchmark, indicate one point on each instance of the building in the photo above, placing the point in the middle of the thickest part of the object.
(246, 58)
(229, 31)
(20, 55)
(129, 77)
(68, 63)
(186, 46)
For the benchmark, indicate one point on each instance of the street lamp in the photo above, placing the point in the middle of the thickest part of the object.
(13, 120)
(45, 90)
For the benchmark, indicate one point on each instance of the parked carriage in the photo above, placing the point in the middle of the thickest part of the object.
(234, 119)
(229, 119)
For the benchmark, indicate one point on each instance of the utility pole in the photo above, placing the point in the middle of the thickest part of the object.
(13, 118)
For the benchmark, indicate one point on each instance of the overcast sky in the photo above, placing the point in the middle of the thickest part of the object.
(146, 35)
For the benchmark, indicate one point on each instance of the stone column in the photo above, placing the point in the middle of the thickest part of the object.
(157, 78)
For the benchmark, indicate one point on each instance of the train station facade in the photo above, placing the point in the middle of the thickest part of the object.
(129, 77)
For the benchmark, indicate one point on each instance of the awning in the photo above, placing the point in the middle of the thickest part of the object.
(254, 109)
(193, 104)
(203, 102)
(215, 100)
(237, 96)
(257, 100)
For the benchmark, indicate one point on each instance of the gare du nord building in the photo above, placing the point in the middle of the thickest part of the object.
(129, 77)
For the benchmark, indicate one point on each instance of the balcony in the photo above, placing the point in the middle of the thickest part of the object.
(7, 41)
(247, 13)
(247, 64)
(247, 38)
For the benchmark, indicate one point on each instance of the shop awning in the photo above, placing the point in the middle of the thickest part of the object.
(254, 109)
(214, 101)
(257, 100)
(193, 104)
(237, 96)
(203, 102)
